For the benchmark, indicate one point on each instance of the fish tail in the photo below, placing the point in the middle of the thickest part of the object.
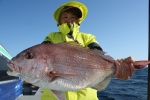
(141, 64)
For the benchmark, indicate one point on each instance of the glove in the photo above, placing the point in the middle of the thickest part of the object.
(63, 28)
(124, 68)
(47, 95)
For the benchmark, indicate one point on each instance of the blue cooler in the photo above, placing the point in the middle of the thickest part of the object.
(10, 87)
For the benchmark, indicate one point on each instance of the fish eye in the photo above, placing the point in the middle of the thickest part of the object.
(29, 55)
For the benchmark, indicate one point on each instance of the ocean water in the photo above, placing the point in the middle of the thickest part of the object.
(133, 89)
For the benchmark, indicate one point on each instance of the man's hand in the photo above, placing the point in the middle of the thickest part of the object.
(124, 68)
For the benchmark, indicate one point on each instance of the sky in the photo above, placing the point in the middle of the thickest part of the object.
(120, 26)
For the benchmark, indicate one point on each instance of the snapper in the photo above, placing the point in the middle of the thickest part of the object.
(65, 67)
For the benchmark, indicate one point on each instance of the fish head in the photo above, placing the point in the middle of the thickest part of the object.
(30, 64)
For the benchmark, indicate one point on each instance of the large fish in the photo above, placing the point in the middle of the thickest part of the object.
(64, 67)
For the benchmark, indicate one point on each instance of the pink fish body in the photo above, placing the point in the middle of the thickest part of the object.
(63, 67)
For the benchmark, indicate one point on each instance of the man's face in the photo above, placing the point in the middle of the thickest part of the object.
(68, 16)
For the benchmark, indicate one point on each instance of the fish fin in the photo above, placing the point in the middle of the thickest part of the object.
(77, 46)
(106, 57)
(86, 49)
(102, 85)
(67, 75)
(102, 55)
(74, 45)
(60, 95)
(55, 74)
(141, 64)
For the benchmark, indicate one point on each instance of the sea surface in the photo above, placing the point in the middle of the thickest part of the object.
(133, 89)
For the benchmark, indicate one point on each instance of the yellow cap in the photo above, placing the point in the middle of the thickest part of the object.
(76, 4)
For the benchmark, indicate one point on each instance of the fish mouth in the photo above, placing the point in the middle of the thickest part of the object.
(13, 73)
(12, 66)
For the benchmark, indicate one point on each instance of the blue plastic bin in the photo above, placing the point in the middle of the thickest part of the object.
(10, 89)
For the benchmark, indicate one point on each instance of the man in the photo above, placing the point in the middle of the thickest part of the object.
(68, 18)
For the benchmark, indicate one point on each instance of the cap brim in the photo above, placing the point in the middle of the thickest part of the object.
(75, 9)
